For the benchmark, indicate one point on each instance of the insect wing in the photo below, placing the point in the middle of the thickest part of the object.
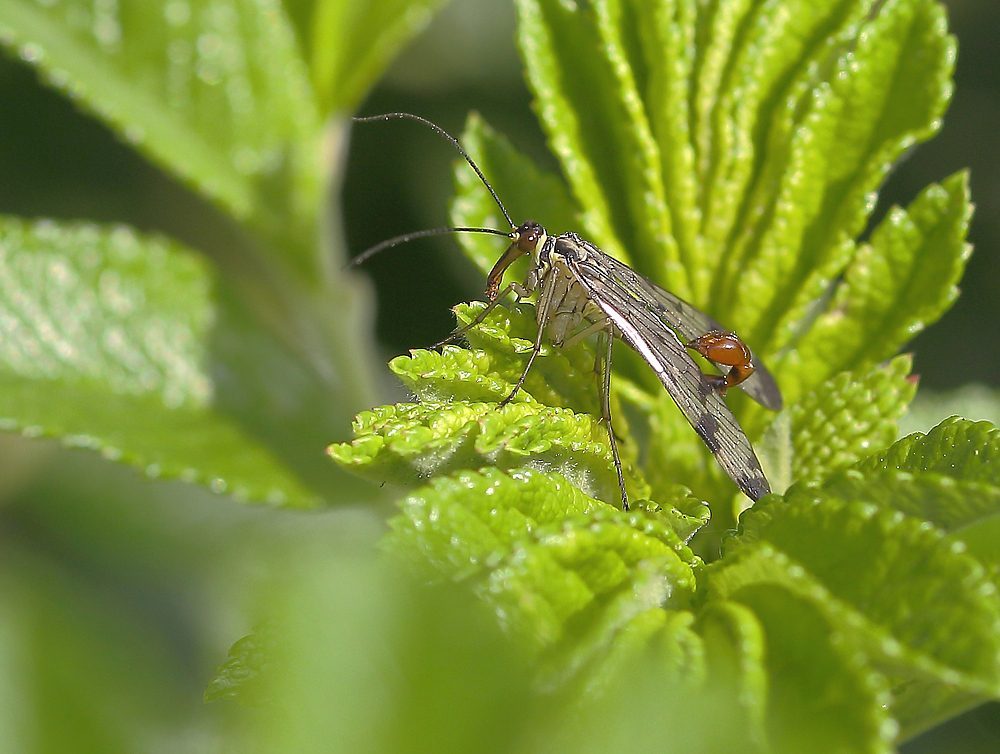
(700, 403)
(689, 321)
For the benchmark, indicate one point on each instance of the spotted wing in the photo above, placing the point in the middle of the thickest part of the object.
(689, 322)
(659, 346)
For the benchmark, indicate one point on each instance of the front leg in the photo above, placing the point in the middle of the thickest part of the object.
(516, 288)
(544, 302)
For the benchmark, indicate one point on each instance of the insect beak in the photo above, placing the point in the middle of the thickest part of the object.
(495, 277)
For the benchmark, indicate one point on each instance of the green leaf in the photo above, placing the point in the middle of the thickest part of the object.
(353, 638)
(186, 83)
(818, 690)
(527, 192)
(947, 477)
(407, 443)
(559, 567)
(968, 511)
(918, 604)
(352, 43)
(101, 676)
(458, 525)
(957, 447)
(730, 151)
(848, 417)
(559, 377)
(862, 90)
(104, 347)
(904, 279)
(243, 675)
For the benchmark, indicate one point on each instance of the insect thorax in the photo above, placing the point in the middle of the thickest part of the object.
(563, 302)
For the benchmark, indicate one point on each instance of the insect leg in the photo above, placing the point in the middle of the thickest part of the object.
(543, 305)
(608, 332)
(598, 326)
(527, 367)
(516, 288)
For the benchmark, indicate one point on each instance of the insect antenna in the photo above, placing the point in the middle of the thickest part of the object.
(454, 142)
(367, 254)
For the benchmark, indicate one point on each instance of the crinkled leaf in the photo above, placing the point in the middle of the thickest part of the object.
(965, 450)
(900, 281)
(461, 525)
(407, 443)
(968, 511)
(104, 344)
(501, 345)
(919, 604)
(946, 476)
(559, 377)
(738, 136)
(187, 84)
(863, 89)
(848, 417)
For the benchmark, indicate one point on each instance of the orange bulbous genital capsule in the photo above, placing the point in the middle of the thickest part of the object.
(725, 349)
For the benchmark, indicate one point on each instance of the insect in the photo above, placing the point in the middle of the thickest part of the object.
(582, 291)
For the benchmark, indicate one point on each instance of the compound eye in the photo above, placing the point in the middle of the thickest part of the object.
(528, 235)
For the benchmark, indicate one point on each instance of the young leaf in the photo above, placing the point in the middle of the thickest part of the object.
(902, 280)
(104, 346)
(876, 80)
(846, 418)
(407, 443)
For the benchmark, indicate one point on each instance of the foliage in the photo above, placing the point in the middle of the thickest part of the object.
(731, 152)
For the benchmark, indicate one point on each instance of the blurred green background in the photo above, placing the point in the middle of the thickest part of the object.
(144, 586)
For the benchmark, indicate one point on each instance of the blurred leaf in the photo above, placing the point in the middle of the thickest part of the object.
(243, 676)
(354, 639)
(352, 43)
(80, 672)
(104, 347)
(186, 83)
(817, 689)
(923, 608)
